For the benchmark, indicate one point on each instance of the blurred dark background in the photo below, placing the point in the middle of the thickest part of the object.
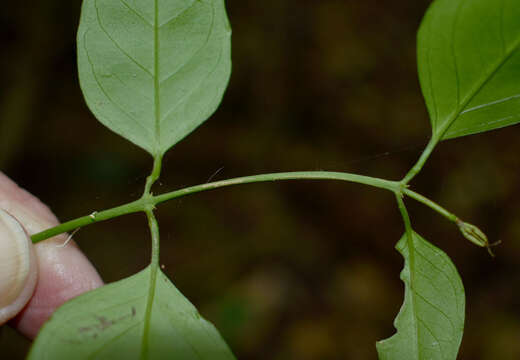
(297, 270)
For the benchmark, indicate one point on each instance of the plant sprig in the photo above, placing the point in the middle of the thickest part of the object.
(153, 71)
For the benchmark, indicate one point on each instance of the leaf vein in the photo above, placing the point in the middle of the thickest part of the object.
(139, 15)
(439, 342)
(103, 90)
(483, 125)
(450, 280)
(116, 44)
(499, 101)
(440, 270)
(501, 27)
(411, 242)
(430, 77)
(206, 41)
(168, 113)
(195, 88)
(175, 17)
(110, 341)
(474, 92)
(439, 310)
(143, 95)
(453, 52)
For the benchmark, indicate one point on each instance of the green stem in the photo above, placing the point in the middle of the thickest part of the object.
(422, 160)
(448, 215)
(309, 175)
(152, 178)
(130, 208)
(406, 219)
(150, 200)
(154, 232)
(154, 268)
(436, 137)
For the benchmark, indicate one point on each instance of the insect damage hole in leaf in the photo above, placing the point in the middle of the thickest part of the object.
(153, 70)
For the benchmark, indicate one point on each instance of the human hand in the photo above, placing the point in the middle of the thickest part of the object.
(35, 279)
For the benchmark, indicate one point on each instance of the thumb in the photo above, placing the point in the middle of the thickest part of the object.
(18, 267)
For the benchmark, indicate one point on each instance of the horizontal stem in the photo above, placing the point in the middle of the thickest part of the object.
(308, 175)
(143, 203)
(129, 208)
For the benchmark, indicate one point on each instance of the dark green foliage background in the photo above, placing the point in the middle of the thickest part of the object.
(286, 271)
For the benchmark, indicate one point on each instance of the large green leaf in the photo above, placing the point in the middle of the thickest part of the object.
(469, 65)
(153, 70)
(431, 321)
(113, 323)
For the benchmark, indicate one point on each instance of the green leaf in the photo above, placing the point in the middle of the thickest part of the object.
(431, 321)
(111, 323)
(469, 65)
(153, 70)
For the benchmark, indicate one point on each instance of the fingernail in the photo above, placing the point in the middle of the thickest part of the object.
(18, 270)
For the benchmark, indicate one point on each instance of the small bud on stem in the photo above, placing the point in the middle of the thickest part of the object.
(476, 236)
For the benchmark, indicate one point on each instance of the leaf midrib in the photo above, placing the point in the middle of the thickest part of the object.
(156, 80)
(411, 267)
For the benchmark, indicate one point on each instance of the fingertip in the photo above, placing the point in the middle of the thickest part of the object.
(18, 267)
(64, 273)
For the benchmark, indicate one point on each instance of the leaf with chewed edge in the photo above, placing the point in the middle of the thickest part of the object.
(430, 323)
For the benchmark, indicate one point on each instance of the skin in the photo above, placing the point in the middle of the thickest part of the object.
(63, 272)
